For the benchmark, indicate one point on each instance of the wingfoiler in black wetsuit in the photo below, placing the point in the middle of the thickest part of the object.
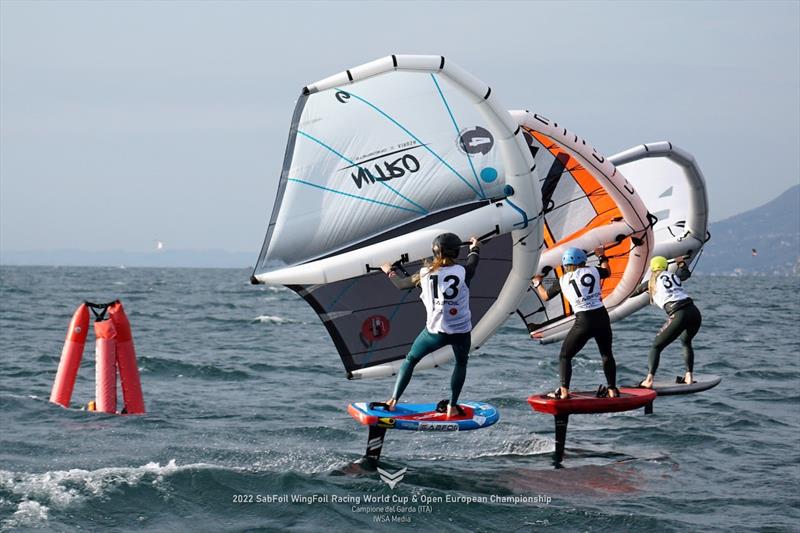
(684, 317)
(582, 289)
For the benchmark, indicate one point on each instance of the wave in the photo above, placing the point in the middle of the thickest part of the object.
(275, 288)
(28, 514)
(172, 367)
(35, 494)
(274, 319)
(30, 498)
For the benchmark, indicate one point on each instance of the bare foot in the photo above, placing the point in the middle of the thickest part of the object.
(452, 412)
(647, 383)
(562, 393)
(391, 403)
(687, 378)
(613, 392)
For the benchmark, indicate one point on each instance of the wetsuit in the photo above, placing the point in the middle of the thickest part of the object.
(582, 289)
(445, 293)
(683, 320)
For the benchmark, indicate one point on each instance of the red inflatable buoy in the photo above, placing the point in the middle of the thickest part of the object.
(105, 366)
(114, 352)
(126, 361)
(71, 356)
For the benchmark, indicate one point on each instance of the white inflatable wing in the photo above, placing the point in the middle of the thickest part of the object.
(672, 186)
(587, 203)
(382, 158)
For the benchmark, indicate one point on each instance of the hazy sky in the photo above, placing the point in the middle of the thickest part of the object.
(126, 122)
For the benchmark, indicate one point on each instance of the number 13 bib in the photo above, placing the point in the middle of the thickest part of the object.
(446, 298)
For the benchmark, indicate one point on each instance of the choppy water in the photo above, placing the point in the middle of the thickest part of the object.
(246, 399)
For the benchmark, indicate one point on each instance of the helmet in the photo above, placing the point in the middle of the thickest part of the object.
(446, 245)
(658, 263)
(573, 256)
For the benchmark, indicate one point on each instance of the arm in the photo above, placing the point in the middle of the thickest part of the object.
(545, 294)
(683, 271)
(401, 282)
(472, 260)
(602, 268)
(641, 289)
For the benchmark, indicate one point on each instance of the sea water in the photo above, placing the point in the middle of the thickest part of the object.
(246, 426)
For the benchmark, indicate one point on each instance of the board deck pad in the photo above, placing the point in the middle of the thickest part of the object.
(670, 388)
(587, 402)
(423, 416)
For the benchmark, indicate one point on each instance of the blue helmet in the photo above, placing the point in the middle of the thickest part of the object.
(573, 256)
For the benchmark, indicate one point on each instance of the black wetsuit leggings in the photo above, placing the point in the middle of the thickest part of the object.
(588, 324)
(684, 322)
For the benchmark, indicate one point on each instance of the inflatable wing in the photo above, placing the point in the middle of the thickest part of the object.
(672, 185)
(587, 203)
(382, 158)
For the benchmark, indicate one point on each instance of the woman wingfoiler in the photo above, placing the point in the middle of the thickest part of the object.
(581, 286)
(684, 319)
(445, 293)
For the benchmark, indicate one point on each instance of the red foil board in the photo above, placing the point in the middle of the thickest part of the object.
(586, 402)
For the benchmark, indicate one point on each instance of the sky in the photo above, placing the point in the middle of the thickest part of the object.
(125, 123)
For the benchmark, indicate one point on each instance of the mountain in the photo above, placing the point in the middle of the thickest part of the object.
(772, 230)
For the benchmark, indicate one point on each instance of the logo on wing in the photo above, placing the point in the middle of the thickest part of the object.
(385, 169)
(475, 140)
(390, 478)
(374, 328)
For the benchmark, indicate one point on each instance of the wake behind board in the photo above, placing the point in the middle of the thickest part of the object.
(587, 402)
(671, 388)
(424, 417)
(583, 402)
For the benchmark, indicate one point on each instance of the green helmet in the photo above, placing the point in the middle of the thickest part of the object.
(658, 263)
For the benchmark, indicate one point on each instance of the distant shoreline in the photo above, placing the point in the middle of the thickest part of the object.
(250, 269)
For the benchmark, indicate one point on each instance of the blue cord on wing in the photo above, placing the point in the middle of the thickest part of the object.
(424, 145)
(342, 292)
(458, 130)
(304, 134)
(521, 211)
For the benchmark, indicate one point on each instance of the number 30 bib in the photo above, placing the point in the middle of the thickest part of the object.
(668, 289)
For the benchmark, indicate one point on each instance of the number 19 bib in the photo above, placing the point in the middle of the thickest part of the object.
(582, 289)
